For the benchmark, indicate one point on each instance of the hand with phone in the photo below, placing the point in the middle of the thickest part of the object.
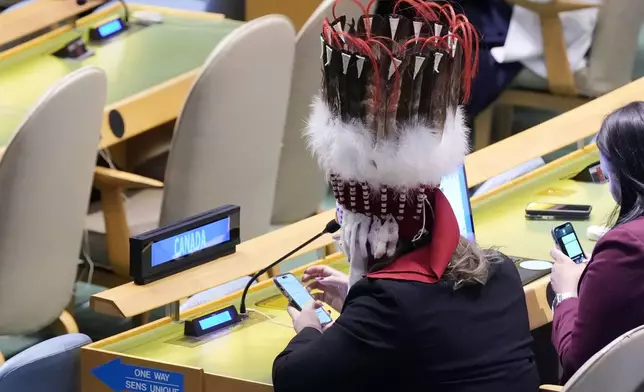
(331, 286)
(565, 273)
(303, 308)
(307, 317)
(569, 259)
(567, 241)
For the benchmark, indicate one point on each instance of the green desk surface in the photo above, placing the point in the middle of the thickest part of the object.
(134, 62)
(499, 220)
(247, 351)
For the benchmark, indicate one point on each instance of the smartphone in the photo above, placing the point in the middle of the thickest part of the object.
(567, 240)
(550, 211)
(298, 295)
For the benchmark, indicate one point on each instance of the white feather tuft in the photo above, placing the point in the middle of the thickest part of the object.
(418, 156)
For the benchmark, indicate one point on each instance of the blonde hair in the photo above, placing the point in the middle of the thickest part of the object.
(470, 264)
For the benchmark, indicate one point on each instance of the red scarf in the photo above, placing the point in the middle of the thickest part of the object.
(427, 264)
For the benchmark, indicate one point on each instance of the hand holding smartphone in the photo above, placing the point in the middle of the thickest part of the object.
(566, 239)
(298, 295)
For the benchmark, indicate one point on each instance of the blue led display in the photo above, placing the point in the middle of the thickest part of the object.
(454, 186)
(215, 319)
(190, 241)
(110, 28)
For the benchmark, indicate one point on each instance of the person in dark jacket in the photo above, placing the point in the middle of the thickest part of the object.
(600, 300)
(423, 309)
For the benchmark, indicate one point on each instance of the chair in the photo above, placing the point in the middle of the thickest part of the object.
(301, 185)
(616, 368)
(45, 182)
(225, 148)
(50, 366)
(610, 64)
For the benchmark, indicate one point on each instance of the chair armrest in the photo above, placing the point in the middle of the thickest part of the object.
(553, 6)
(550, 388)
(65, 324)
(105, 178)
(112, 183)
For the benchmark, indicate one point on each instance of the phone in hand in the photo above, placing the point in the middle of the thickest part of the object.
(298, 295)
(566, 239)
(551, 211)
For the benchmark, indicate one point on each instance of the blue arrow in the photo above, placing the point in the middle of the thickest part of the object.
(111, 374)
(119, 377)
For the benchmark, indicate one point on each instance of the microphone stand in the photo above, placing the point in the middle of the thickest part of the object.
(331, 227)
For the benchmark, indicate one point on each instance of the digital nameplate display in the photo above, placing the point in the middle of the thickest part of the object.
(185, 244)
(212, 322)
(107, 30)
(195, 240)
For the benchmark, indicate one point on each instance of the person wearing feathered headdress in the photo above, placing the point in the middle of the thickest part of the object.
(422, 308)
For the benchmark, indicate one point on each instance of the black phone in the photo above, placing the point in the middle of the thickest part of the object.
(551, 211)
(566, 239)
(298, 295)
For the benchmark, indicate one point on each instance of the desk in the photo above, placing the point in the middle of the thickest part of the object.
(39, 15)
(561, 131)
(149, 71)
(241, 358)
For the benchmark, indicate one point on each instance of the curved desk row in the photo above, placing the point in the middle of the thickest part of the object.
(37, 16)
(240, 358)
(150, 69)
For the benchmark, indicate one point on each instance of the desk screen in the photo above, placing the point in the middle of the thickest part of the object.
(454, 186)
(215, 320)
(110, 28)
(191, 241)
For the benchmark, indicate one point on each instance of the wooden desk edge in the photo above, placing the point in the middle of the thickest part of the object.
(534, 173)
(538, 310)
(113, 301)
(131, 299)
(141, 111)
(30, 18)
(565, 129)
(208, 306)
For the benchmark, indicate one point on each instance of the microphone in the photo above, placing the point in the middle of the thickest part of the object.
(330, 228)
(126, 11)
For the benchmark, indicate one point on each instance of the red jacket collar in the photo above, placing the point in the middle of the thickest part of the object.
(427, 264)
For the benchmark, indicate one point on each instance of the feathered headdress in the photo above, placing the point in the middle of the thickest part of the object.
(387, 124)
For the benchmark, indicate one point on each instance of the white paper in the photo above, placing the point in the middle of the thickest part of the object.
(524, 43)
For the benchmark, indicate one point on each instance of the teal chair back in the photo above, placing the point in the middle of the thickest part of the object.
(50, 366)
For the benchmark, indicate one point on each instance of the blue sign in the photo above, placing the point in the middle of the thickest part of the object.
(215, 319)
(110, 28)
(191, 241)
(123, 377)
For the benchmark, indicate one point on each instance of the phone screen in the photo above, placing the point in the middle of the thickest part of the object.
(567, 240)
(297, 293)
